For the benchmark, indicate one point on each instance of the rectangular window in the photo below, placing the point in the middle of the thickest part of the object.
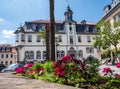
(11, 55)
(71, 39)
(79, 38)
(22, 37)
(59, 38)
(38, 38)
(29, 38)
(2, 56)
(88, 39)
(34, 27)
(6, 55)
(17, 37)
(7, 48)
(3, 49)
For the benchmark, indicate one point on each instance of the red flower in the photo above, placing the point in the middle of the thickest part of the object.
(118, 65)
(61, 74)
(40, 70)
(60, 71)
(19, 70)
(73, 69)
(105, 70)
(28, 65)
(65, 58)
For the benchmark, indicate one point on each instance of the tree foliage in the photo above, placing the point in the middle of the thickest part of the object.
(106, 36)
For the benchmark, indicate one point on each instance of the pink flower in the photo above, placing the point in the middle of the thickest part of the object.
(19, 70)
(118, 65)
(106, 70)
(28, 65)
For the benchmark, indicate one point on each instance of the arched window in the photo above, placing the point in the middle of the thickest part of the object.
(91, 50)
(62, 53)
(80, 53)
(31, 55)
(44, 54)
(26, 55)
(87, 50)
(38, 55)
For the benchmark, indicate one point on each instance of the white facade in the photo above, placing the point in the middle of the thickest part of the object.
(73, 38)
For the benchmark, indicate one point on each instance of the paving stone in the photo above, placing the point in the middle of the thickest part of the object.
(10, 81)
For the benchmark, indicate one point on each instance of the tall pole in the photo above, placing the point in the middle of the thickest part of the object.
(52, 30)
(47, 42)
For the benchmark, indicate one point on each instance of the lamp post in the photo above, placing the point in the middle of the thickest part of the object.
(56, 44)
(56, 50)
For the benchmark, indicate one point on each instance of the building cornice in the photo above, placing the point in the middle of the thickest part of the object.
(110, 12)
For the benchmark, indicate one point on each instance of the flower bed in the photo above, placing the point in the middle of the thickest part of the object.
(69, 71)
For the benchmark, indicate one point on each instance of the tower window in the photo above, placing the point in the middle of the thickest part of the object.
(71, 39)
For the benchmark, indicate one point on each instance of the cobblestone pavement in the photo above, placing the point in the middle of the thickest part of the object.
(11, 81)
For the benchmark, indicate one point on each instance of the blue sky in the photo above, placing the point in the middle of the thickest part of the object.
(14, 12)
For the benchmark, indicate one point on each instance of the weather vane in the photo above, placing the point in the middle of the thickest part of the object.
(67, 2)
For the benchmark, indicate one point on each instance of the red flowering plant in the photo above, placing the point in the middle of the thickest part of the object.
(118, 65)
(70, 68)
(19, 70)
(108, 72)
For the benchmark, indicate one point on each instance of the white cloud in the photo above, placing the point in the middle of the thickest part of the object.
(1, 19)
(8, 34)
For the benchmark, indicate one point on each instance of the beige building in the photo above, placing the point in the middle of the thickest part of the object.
(8, 54)
(112, 12)
(74, 37)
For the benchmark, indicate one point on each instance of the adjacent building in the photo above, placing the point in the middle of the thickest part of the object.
(74, 37)
(8, 54)
(112, 12)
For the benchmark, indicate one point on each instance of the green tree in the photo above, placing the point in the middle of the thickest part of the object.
(107, 37)
(52, 30)
(43, 34)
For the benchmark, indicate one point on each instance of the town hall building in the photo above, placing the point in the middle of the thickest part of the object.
(74, 37)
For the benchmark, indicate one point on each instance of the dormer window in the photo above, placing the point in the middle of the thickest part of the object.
(83, 22)
(7, 48)
(43, 27)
